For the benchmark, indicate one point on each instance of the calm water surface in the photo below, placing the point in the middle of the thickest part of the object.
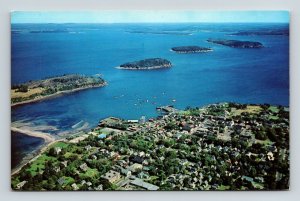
(226, 74)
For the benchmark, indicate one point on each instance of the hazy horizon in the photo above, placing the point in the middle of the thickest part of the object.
(118, 17)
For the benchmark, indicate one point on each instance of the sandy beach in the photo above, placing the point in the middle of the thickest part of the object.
(49, 140)
(47, 137)
(37, 155)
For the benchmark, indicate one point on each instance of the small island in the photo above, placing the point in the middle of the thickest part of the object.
(236, 43)
(190, 49)
(36, 90)
(146, 64)
(284, 32)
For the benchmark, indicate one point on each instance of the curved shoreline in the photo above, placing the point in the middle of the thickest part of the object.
(32, 156)
(49, 140)
(47, 137)
(56, 94)
(37, 153)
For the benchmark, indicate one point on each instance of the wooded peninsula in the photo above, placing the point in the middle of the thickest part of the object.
(36, 90)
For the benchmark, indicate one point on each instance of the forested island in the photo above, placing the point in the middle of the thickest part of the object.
(40, 89)
(146, 64)
(236, 43)
(284, 32)
(190, 49)
(226, 146)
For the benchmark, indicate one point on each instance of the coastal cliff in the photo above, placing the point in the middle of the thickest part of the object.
(146, 64)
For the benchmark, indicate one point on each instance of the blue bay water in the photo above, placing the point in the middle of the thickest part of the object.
(21, 146)
(226, 74)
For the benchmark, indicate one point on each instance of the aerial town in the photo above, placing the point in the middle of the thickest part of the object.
(224, 146)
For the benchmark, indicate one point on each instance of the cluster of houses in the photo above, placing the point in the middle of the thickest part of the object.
(222, 126)
(211, 129)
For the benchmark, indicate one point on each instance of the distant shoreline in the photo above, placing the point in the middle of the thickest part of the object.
(56, 94)
(143, 68)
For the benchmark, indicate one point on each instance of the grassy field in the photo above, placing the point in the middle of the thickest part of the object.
(264, 142)
(272, 117)
(59, 144)
(274, 109)
(222, 187)
(36, 90)
(16, 94)
(68, 180)
(92, 173)
(251, 109)
(39, 164)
